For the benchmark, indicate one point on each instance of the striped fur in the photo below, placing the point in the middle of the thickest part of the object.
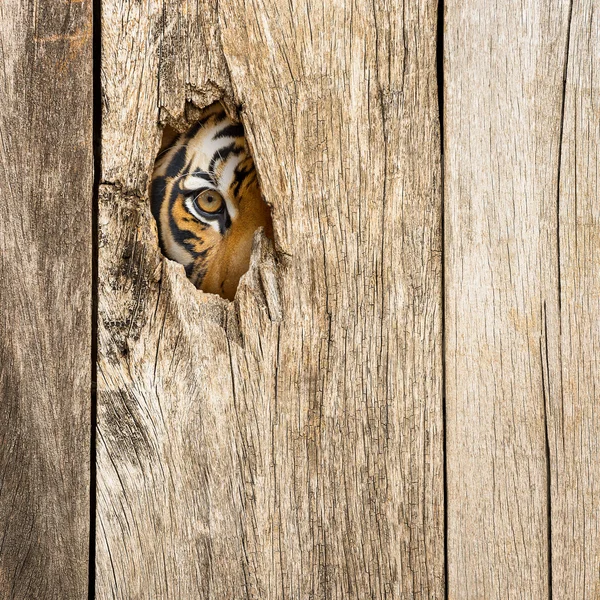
(209, 166)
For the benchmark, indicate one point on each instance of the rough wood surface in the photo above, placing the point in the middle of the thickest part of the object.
(45, 298)
(287, 445)
(575, 438)
(504, 66)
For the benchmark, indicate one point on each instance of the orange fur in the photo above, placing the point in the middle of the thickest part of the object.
(232, 255)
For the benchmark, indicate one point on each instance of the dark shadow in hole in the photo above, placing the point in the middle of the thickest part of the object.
(168, 138)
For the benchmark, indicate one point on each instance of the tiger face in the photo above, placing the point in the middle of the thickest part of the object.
(207, 203)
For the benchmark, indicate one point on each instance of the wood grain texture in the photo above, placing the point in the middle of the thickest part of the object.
(289, 444)
(575, 437)
(45, 298)
(504, 66)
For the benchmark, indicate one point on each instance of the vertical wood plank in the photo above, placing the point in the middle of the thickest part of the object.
(45, 298)
(289, 444)
(341, 108)
(575, 438)
(504, 64)
(170, 490)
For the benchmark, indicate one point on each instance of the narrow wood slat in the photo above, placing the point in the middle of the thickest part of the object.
(169, 493)
(45, 298)
(504, 65)
(575, 436)
(288, 445)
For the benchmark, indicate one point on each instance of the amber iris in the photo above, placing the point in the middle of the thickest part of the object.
(209, 201)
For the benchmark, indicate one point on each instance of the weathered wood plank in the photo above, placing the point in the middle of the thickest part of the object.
(167, 456)
(504, 64)
(341, 107)
(286, 445)
(45, 298)
(575, 437)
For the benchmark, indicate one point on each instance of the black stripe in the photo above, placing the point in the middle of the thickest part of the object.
(195, 129)
(218, 115)
(180, 236)
(203, 175)
(241, 174)
(177, 163)
(200, 190)
(224, 222)
(157, 197)
(223, 154)
(234, 130)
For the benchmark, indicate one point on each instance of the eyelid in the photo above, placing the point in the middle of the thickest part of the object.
(196, 192)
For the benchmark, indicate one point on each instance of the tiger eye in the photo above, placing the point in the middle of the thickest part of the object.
(209, 201)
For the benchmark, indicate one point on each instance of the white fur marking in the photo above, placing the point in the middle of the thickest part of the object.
(189, 204)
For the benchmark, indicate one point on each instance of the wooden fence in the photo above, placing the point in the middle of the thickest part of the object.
(403, 399)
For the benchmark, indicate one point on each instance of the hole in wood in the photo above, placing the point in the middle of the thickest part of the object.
(207, 201)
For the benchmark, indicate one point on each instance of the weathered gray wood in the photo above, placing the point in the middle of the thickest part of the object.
(575, 436)
(504, 65)
(287, 445)
(45, 298)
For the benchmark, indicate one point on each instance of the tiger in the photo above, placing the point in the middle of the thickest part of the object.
(207, 203)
